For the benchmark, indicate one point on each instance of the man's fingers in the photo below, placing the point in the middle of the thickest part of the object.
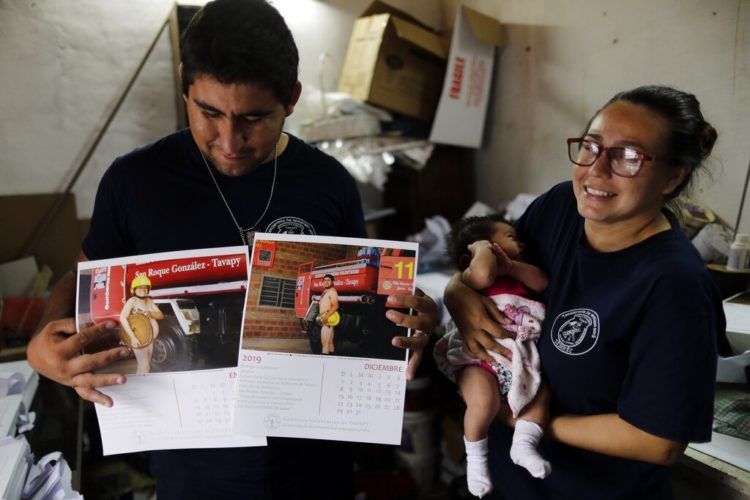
(426, 319)
(65, 326)
(416, 343)
(92, 380)
(405, 320)
(94, 396)
(92, 362)
(411, 367)
(75, 343)
(420, 303)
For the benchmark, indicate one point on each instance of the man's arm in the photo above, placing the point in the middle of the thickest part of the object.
(155, 311)
(334, 303)
(55, 350)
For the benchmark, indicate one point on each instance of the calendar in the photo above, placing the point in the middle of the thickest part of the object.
(181, 374)
(318, 361)
(171, 411)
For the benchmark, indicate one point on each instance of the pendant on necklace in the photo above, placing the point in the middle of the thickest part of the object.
(248, 235)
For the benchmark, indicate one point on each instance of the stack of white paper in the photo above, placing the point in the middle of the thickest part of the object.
(13, 467)
(50, 479)
(11, 383)
(10, 408)
(22, 379)
(737, 312)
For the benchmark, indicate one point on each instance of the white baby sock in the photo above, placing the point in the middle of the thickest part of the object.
(524, 451)
(477, 469)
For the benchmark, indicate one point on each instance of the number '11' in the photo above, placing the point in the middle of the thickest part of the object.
(400, 270)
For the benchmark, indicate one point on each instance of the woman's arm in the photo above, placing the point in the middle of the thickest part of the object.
(477, 318)
(611, 435)
(607, 434)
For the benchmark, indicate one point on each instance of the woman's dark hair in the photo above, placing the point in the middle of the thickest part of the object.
(469, 230)
(691, 138)
(240, 41)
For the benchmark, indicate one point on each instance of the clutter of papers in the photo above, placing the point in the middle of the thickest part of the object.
(21, 478)
(735, 369)
(18, 384)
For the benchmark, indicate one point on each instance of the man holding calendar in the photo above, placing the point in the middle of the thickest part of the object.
(231, 173)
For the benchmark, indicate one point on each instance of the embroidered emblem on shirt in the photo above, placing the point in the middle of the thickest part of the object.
(575, 332)
(290, 225)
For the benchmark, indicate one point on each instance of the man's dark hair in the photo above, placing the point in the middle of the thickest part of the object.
(240, 41)
(328, 276)
(468, 230)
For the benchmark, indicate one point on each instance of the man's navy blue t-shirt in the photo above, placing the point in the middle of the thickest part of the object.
(633, 333)
(161, 198)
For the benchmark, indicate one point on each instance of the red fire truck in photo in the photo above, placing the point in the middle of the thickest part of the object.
(202, 299)
(363, 284)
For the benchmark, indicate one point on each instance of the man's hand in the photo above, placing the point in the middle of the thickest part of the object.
(55, 352)
(478, 319)
(422, 323)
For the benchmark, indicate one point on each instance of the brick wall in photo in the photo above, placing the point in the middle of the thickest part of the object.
(275, 322)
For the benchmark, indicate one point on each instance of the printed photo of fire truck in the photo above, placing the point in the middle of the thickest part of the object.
(177, 314)
(325, 298)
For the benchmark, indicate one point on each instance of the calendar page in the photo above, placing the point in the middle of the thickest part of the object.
(181, 316)
(316, 358)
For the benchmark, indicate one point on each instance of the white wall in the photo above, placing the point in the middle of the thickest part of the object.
(65, 62)
(565, 59)
(64, 65)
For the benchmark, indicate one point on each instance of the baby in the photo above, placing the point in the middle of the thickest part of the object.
(491, 259)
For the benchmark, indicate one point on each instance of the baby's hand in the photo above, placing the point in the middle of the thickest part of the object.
(478, 245)
(503, 261)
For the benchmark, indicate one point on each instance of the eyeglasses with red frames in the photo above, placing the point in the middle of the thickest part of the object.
(623, 161)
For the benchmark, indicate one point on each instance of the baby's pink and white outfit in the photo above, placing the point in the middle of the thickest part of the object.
(520, 376)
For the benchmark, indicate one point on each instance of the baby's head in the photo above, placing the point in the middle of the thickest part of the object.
(492, 228)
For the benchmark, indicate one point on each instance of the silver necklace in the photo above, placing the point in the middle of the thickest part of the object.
(246, 234)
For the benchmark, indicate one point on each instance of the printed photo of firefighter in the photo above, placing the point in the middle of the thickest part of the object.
(326, 299)
(329, 315)
(139, 325)
(174, 314)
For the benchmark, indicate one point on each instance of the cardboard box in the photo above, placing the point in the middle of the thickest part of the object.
(460, 115)
(57, 246)
(395, 62)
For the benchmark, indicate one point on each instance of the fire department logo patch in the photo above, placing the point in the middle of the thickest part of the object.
(290, 225)
(575, 332)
